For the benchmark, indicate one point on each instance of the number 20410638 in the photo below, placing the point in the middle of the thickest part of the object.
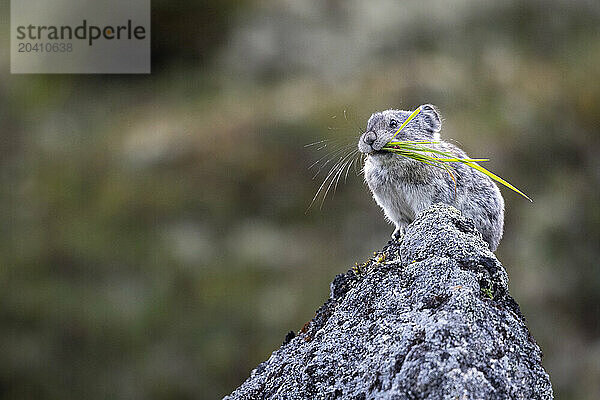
(27, 47)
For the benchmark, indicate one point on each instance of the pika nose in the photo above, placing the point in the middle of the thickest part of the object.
(370, 138)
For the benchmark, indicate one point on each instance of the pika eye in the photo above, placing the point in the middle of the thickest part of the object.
(393, 123)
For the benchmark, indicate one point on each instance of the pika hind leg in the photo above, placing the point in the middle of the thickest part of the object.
(398, 232)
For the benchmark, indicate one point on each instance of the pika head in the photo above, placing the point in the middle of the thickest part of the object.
(382, 126)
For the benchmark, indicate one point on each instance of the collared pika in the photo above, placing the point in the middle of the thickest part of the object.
(403, 187)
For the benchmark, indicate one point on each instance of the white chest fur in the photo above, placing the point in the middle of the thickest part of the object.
(400, 198)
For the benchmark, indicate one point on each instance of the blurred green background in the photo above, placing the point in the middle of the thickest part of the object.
(154, 242)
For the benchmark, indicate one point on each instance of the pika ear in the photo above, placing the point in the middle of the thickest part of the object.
(431, 119)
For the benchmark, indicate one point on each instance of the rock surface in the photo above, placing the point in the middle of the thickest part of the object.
(429, 317)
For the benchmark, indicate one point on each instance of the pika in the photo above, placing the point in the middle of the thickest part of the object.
(403, 187)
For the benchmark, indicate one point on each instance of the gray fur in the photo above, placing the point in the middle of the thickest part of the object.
(403, 187)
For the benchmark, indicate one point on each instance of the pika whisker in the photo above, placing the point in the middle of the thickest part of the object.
(335, 170)
(343, 155)
(331, 156)
(340, 173)
(317, 142)
(330, 177)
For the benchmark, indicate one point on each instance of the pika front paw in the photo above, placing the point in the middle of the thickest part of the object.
(398, 233)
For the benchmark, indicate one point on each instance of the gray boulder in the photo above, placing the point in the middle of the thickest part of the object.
(429, 317)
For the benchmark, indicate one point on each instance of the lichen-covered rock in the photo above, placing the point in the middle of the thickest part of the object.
(429, 317)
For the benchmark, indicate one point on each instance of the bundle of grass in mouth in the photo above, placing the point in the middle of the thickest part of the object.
(421, 152)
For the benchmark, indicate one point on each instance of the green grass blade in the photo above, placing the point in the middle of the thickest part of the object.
(416, 151)
(410, 118)
(409, 142)
(449, 156)
(496, 178)
(463, 160)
